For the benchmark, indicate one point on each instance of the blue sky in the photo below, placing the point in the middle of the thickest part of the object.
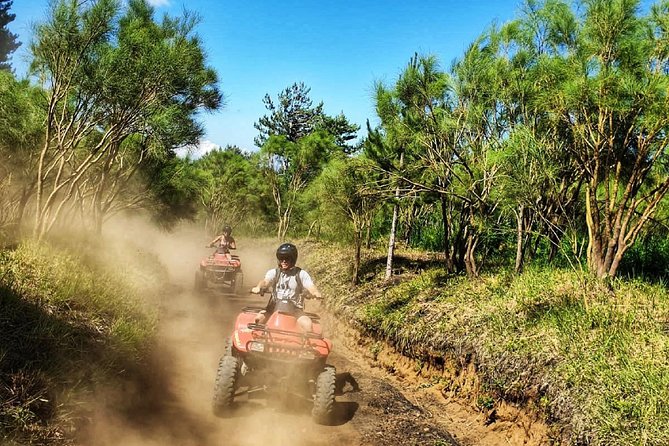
(337, 48)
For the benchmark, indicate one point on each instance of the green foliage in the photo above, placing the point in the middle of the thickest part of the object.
(648, 258)
(600, 358)
(21, 132)
(343, 131)
(344, 191)
(290, 167)
(176, 185)
(235, 192)
(293, 117)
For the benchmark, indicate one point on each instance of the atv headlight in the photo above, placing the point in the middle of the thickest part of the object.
(256, 346)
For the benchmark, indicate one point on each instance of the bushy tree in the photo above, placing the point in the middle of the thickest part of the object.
(109, 77)
(601, 82)
(21, 130)
(235, 192)
(296, 139)
(347, 191)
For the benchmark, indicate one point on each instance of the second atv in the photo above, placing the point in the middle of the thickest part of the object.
(221, 269)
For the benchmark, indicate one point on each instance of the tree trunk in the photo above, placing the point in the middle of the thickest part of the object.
(393, 227)
(450, 266)
(520, 215)
(470, 246)
(391, 237)
(355, 279)
(470, 260)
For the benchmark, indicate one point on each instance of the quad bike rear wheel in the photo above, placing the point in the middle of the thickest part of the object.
(227, 349)
(226, 384)
(324, 397)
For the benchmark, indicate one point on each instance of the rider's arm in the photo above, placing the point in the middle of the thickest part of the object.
(262, 284)
(215, 240)
(265, 282)
(309, 285)
(232, 244)
(314, 291)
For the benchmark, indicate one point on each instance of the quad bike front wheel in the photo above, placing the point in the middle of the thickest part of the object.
(200, 281)
(324, 398)
(238, 284)
(226, 384)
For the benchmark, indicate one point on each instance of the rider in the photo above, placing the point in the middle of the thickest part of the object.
(288, 282)
(224, 242)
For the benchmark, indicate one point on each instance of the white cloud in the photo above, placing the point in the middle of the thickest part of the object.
(158, 3)
(198, 151)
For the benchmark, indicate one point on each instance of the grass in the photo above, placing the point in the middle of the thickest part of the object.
(66, 325)
(593, 361)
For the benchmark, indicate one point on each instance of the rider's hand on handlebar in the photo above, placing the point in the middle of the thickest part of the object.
(310, 295)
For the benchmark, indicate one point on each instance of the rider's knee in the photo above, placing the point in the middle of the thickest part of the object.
(261, 317)
(305, 323)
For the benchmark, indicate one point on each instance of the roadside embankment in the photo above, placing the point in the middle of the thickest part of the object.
(72, 321)
(590, 362)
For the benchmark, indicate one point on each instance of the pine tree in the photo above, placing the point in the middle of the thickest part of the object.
(8, 43)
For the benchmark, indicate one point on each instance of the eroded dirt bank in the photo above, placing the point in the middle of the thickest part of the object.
(171, 404)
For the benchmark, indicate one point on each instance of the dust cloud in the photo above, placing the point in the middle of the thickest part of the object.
(170, 403)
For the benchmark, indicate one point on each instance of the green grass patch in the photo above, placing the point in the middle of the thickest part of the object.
(66, 324)
(594, 360)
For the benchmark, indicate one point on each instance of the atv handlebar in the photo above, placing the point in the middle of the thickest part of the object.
(261, 291)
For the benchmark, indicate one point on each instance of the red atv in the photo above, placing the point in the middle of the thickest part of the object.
(276, 356)
(220, 269)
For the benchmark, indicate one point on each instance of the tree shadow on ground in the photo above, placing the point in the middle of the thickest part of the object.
(371, 268)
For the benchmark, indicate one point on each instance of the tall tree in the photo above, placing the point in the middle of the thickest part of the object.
(540, 183)
(293, 116)
(604, 85)
(387, 147)
(107, 78)
(296, 140)
(427, 93)
(21, 130)
(8, 42)
(290, 166)
(347, 185)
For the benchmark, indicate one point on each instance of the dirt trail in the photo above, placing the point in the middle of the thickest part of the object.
(173, 407)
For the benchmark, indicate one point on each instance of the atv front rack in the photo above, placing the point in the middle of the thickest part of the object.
(314, 317)
(270, 331)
